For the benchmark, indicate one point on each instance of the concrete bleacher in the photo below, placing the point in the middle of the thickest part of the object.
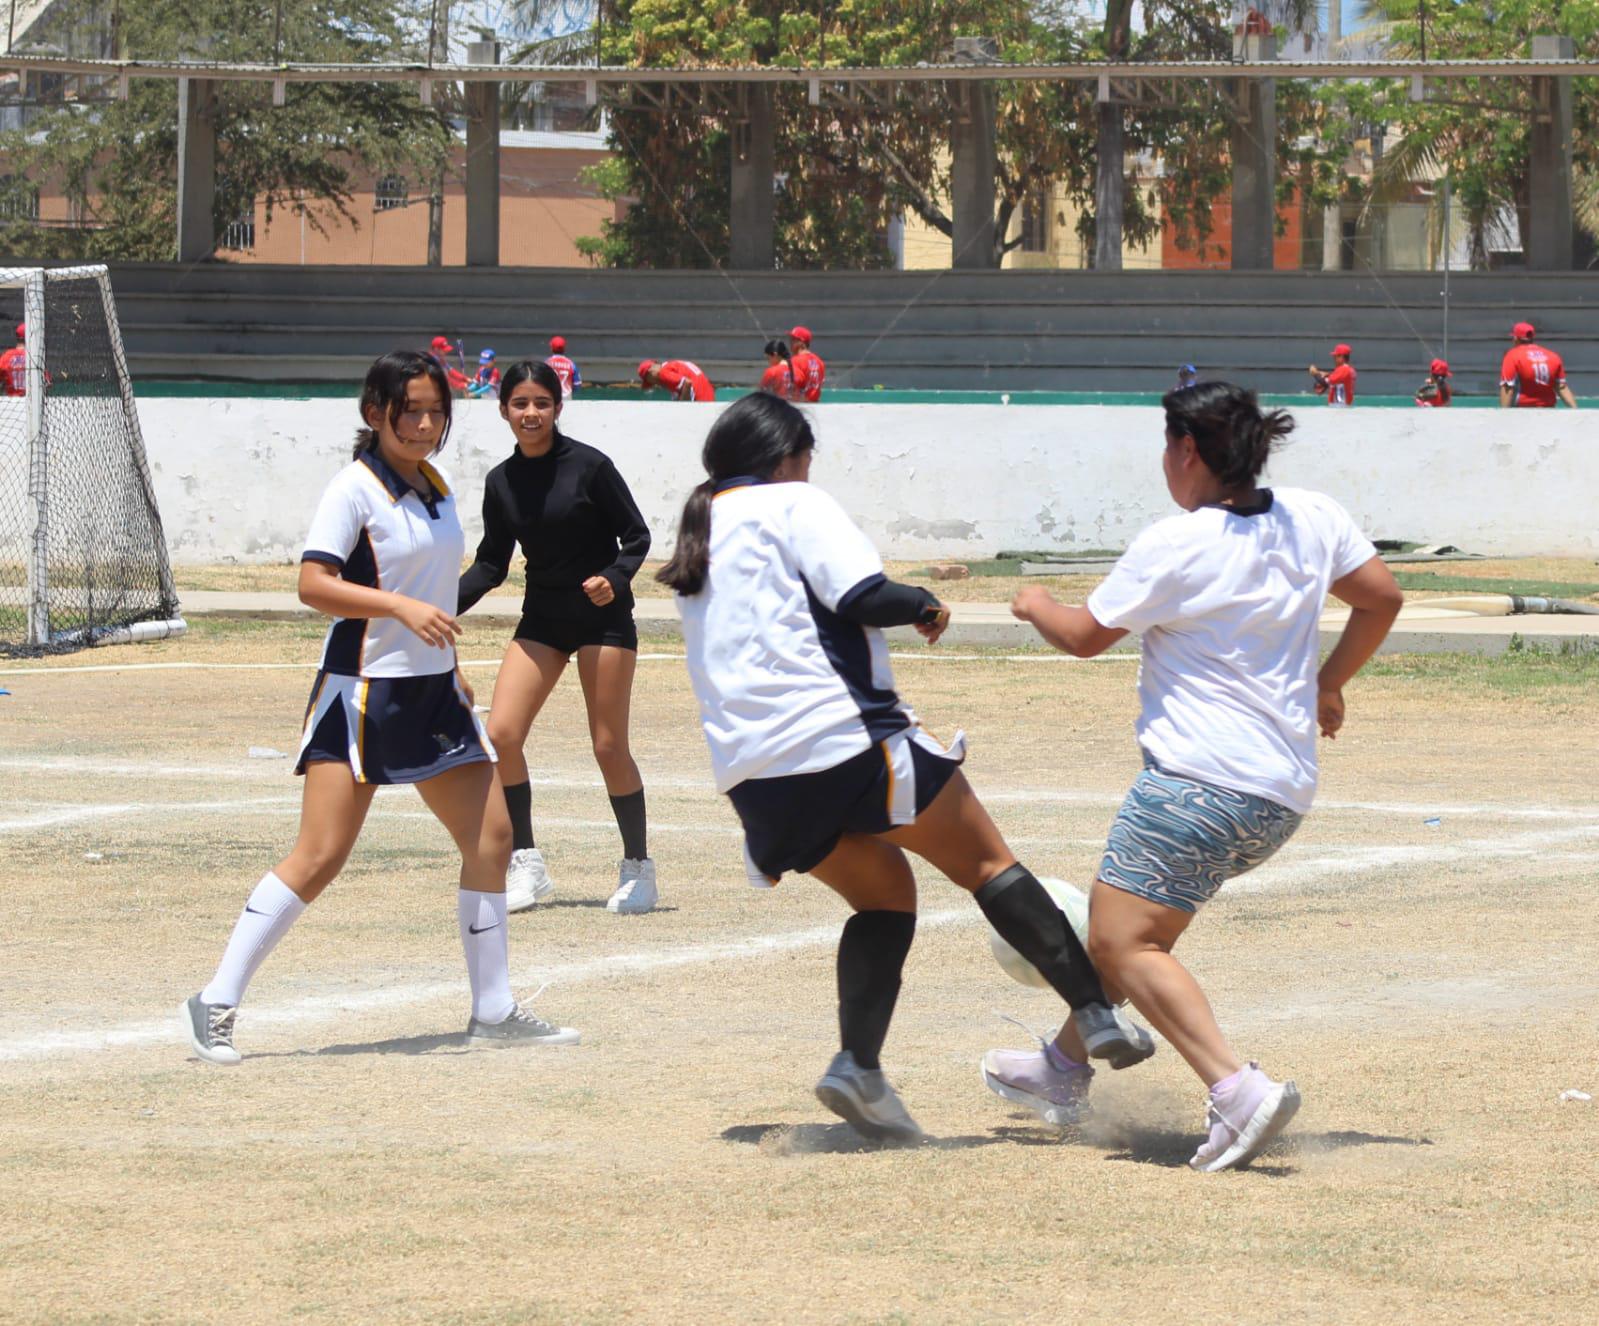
(999, 331)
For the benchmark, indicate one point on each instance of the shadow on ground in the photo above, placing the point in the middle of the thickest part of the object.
(832, 1139)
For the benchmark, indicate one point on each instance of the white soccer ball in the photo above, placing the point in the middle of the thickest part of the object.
(1071, 900)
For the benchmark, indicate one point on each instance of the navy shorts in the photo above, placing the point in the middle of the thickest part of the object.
(794, 821)
(569, 631)
(392, 729)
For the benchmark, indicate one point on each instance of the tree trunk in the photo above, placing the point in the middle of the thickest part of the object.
(436, 193)
(1110, 187)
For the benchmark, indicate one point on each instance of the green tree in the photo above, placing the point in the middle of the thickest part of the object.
(116, 160)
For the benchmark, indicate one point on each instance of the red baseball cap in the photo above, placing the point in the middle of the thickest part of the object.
(1440, 368)
(645, 367)
(800, 334)
(442, 343)
(1342, 350)
(1523, 331)
(557, 344)
(22, 330)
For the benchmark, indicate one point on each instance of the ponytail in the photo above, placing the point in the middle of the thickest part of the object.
(691, 557)
(1232, 435)
(749, 439)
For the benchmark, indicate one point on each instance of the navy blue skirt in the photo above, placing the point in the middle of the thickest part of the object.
(392, 729)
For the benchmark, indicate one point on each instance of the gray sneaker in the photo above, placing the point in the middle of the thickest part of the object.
(1110, 1035)
(523, 1028)
(864, 1099)
(210, 1029)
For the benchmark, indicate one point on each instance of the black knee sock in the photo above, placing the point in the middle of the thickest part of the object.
(629, 812)
(871, 956)
(1027, 919)
(519, 801)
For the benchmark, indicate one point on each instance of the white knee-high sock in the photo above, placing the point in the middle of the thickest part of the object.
(272, 908)
(488, 961)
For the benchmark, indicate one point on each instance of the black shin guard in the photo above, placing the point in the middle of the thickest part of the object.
(629, 812)
(519, 802)
(871, 956)
(1027, 919)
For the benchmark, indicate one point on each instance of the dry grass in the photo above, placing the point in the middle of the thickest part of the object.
(1430, 986)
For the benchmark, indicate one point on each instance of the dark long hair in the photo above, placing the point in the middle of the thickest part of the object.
(780, 349)
(384, 390)
(751, 437)
(535, 371)
(1233, 437)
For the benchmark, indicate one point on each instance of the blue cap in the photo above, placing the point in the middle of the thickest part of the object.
(1188, 368)
(485, 356)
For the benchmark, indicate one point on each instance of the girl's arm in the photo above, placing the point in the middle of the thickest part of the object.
(613, 497)
(322, 588)
(1072, 629)
(492, 561)
(1374, 600)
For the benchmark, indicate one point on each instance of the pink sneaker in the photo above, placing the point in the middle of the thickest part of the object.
(1243, 1118)
(1028, 1078)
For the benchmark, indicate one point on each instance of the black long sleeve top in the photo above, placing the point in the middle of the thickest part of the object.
(573, 516)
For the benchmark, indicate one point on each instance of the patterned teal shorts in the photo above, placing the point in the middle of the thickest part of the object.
(1176, 841)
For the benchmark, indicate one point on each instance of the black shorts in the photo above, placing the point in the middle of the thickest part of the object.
(572, 630)
(391, 729)
(794, 821)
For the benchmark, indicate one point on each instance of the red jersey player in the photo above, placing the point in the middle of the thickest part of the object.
(809, 370)
(565, 369)
(14, 366)
(442, 350)
(1434, 393)
(779, 375)
(1531, 377)
(683, 379)
(1338, 384)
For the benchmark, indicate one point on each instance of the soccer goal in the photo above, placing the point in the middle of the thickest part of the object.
(83, 559)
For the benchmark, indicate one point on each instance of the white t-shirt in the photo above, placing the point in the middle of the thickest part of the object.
(785, 685)
(1229, 607)
(375, 529)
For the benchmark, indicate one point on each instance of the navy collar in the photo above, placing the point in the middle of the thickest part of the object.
(737, 481)
(395, 484)
(1259, 507)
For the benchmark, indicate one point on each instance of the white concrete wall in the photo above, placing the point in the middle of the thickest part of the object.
(237, 479)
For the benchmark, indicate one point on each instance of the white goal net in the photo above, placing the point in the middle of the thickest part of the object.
(83, 559)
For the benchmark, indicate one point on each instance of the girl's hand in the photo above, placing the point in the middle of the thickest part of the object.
(1029, 602)
(433, 626)
(1330, 712)
(600, 590)
(930, 631)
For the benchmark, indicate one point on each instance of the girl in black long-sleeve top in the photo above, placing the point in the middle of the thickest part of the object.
(584, 541)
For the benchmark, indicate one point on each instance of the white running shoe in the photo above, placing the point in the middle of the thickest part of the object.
(1026, 1077)
(635, 888)
(210, 1028)
(1244, 1120)
(528, 880)
(864, 1099)
(523, 1028)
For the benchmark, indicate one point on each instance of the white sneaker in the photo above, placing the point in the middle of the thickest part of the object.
(527, 881)
(635, 888)
(523, 1027)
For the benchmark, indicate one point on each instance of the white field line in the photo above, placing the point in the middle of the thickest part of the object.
(929, 656)
(1273, 877)
(323, 1008)
(273, 769)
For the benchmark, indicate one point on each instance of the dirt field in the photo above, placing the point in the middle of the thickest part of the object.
(1420, 959)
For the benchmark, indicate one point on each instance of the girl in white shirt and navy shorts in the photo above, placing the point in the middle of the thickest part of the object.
(782, 600)
(389, 705)
(1228, 598)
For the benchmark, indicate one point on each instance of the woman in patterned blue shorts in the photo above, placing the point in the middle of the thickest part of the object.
(1227, 598)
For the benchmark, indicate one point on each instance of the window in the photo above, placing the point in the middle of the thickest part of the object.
(19, 200)
(239, 234)
(1035, 221)
(390, 192)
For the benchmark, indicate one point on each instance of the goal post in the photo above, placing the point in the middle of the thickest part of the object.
(83, 556)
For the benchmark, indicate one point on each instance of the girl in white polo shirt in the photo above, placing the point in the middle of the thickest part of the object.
(1228, 599)
(782, 598)
(388, 706)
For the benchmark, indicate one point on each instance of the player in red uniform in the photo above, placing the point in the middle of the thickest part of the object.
(1532, 377)
(487, 380)
(565, 369)
(809, 370)
(685, 380)
(779, 375)
(14, 366)
(441, 350)
(1340, 383)
(1434, 393)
